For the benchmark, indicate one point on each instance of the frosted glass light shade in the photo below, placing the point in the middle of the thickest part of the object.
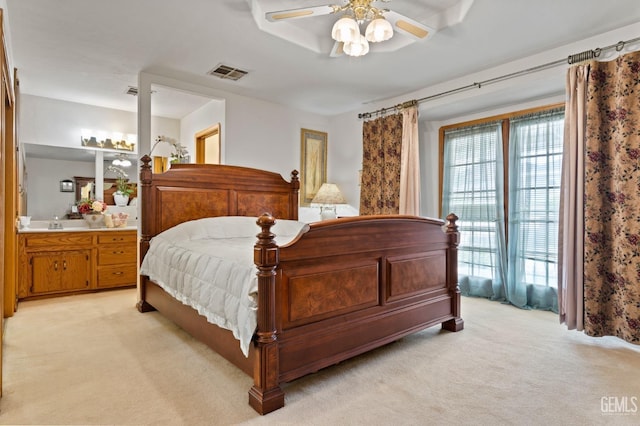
(345, 30)
(359, 47)
(379, 30)
(121, 162)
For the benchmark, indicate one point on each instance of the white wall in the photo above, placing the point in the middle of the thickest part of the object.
(208, 115)
(255, 133)
(55, 122)
(265, 135)
(44, 199)
(162, 126)
(58, 123)
(48, 121)
(344, 158)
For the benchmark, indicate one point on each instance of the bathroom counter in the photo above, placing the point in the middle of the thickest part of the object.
(55, 262)
(74, 225)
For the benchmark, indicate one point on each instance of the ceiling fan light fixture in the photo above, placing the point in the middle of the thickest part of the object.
(360, 47)
(345, 30)
(379, 30)
(358, 23)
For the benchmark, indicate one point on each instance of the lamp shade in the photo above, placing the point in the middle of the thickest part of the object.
(329, 194)
(379, 30)
(345, 29)
(359, 47)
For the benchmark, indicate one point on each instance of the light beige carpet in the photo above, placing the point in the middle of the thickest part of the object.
(93, 359)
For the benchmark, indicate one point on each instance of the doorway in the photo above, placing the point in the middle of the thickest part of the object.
(208, 145)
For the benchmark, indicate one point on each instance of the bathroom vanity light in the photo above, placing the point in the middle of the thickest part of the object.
(108, 140)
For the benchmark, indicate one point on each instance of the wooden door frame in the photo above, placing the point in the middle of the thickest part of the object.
(200, 142)
(8, 190)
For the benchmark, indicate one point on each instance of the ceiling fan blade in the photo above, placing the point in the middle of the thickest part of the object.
(337, 50)
(303, 12)
(408, 26)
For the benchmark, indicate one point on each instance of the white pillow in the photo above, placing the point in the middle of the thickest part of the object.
(231, 227)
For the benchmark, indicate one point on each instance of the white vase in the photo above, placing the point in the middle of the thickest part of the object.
(120, 199)
(25, 221)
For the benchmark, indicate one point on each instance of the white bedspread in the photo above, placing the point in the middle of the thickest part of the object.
(208, 265)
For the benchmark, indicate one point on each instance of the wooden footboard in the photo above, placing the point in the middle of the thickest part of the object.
(345, 287)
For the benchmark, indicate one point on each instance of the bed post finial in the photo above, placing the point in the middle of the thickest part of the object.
(145, 168)
(452, 227)
(145, 194)
(266, 395)
(294, 199)
(455, 324)
(294, 178)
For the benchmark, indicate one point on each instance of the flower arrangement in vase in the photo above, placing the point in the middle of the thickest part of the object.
(180, 154)
(92, 211)
(123, 189)
(91, 206)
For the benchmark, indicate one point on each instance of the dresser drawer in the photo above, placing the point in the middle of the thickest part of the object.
(111, 276)
(114, 255)
(118, 237)
(51, 240)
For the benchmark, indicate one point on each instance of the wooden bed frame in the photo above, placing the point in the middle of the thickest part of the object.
(344, 287)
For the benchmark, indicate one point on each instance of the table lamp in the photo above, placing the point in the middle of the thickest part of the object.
(328, 196)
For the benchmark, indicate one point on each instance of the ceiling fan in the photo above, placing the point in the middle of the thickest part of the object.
(381, 24)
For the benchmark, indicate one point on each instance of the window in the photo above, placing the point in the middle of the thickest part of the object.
(501, 176)
(535, 161)
(471, 157)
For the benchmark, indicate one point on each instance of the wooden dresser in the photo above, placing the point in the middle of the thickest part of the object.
(58, 263)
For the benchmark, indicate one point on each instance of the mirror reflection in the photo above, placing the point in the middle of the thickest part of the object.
(178, 114)
(45, 166)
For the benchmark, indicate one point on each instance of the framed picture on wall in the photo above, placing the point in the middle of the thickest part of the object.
(66, 185)
(313, 164)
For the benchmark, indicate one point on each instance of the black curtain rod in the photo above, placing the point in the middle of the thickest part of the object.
(571, 59)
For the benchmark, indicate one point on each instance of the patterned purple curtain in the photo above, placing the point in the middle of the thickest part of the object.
(380, 186)
(612, 200)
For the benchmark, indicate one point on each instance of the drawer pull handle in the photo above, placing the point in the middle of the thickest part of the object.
(118, 252)
(118, 273)
(55, 265)
(64, 265)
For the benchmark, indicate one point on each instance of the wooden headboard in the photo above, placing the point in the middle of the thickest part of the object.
(194, 191)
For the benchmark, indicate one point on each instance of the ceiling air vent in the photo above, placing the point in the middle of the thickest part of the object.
(133, 91)
(227, 72)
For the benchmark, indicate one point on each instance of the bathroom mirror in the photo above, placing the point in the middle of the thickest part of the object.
(46, 166)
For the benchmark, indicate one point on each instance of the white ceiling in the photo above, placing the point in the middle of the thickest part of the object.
(91, 51)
